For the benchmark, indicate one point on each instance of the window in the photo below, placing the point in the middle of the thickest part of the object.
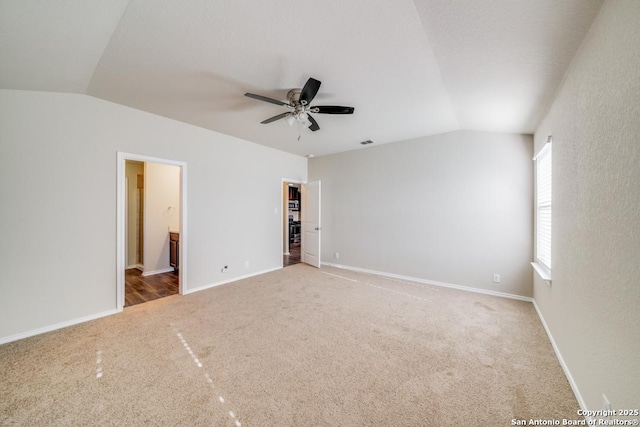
(543, 211)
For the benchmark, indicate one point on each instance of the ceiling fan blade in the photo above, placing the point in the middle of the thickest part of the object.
(265, 99)
(314, 125)
(274, 118)
(332, 109)
(309, 91)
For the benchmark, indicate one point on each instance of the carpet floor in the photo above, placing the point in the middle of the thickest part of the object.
(295, 347)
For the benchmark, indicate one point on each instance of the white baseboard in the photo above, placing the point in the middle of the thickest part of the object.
(565, 368)
(53, 327)
(163, 270)
(138, 266)
(431, 282)
(231, 280)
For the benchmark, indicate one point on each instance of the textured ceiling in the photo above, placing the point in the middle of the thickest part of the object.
(410, 68)
(54, 45)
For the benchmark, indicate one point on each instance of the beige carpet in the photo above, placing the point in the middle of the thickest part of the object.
(296, 347)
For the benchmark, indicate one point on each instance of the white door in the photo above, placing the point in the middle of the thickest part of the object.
(311, 223)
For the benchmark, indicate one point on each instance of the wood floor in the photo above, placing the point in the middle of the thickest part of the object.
(140, 289)
(294, 257)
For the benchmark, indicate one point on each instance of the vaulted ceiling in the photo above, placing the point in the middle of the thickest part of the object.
(410, 68)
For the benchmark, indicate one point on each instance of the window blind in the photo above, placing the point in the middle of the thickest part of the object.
(543, 206)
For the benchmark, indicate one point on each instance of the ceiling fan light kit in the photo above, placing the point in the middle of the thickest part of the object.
(299, 107)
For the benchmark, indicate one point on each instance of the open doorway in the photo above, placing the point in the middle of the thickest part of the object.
(301, 226)
(151, 229)
(292, 236)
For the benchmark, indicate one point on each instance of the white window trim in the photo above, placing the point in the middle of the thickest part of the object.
(542, 271)
(541, 268)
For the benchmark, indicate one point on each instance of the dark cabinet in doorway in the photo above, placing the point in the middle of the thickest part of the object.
(294, 231)
(174, 250)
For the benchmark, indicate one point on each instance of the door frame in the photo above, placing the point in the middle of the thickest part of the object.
(121, 205)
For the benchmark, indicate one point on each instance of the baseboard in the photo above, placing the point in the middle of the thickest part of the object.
(138, 266)
(233, 279)
(565, 368)
(431, 282)
(163, 270)
(53, 327)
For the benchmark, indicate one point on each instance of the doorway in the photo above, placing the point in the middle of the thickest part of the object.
(301, 223)
(292, 238)
(151, 229)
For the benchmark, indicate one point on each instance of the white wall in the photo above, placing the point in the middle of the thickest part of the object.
(452, 208)
(132, 170)
(162, 212)
(58, 246)
(593, 305)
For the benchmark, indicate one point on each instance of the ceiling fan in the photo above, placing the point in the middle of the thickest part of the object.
(298, 107)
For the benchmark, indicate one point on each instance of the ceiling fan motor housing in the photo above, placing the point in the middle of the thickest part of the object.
(294, 96)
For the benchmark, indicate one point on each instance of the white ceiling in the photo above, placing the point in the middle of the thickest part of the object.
(409, 67)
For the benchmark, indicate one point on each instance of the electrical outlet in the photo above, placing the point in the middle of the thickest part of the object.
(225, 269)
(336, 255)
(496, 278)
(246, 264)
